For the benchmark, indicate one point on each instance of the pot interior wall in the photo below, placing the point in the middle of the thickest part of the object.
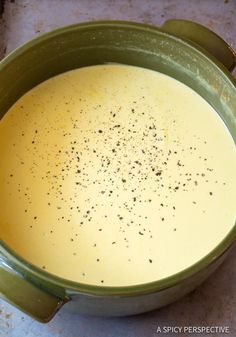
(99, 43)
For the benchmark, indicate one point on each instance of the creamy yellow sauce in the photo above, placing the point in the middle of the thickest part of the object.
(115, 175)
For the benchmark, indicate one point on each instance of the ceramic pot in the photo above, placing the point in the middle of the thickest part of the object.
(181, 49)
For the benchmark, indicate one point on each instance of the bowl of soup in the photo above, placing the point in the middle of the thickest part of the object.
(118, 161)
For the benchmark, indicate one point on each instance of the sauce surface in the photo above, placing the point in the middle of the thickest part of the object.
(115, 175)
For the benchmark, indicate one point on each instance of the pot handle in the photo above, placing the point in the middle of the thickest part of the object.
(203, 37)
(26, 296)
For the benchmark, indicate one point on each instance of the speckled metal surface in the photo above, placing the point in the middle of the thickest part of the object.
(212, 304)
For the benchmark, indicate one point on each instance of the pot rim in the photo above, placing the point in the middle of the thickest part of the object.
(30, 270)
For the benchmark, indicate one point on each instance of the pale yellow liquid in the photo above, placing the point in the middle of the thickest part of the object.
(115, 175)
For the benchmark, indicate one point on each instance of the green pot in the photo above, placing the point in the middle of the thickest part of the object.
(181, 49)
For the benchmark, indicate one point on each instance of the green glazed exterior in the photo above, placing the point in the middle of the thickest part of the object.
(41, 294)
(203, 37)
